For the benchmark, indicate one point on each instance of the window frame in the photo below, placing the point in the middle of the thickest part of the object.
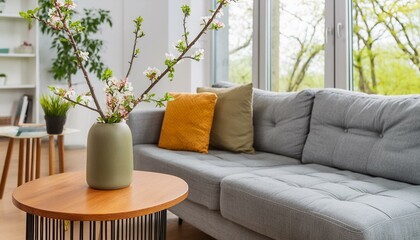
(338, 51)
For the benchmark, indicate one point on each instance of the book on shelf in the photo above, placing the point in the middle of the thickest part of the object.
(24, 110)
(28, 113)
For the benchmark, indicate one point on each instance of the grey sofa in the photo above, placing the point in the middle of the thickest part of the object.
(329, 165)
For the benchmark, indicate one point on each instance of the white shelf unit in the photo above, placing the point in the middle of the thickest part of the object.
(22, 69)
(10, 15)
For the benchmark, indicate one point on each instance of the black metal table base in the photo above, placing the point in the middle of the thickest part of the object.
(149, 227)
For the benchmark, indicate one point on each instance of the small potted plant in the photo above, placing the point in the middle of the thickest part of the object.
(3, 78)
(55, 110)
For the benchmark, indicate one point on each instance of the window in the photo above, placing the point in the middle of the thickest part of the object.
(234, 44)
(297, 44)
(386, 46)
(371, 46)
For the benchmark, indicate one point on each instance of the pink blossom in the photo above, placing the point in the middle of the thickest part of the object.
(71, 6)
(152, 73)
(70, 93)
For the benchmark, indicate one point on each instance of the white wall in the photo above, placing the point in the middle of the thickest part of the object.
(163, 27)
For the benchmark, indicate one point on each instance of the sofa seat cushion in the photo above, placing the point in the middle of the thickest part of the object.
(203, 172)
(319, 202)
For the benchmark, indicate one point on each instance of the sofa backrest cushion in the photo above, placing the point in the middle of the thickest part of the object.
(376, 135)
(281, 121)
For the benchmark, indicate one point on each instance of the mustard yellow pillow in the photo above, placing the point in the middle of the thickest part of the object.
(187, 122)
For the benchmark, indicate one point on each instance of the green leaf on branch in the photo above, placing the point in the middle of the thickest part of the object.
(181, 46)
(76, 26)
(186, 10)
(186, 34)
(107, 74)
(169, 97)
(171, 75)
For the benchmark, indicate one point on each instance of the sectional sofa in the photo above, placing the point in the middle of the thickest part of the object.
(329, 165)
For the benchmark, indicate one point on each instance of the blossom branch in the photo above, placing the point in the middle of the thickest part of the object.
(78, 103)
(187, 11)
(120, 100)
(137, 35)
(79, 60)
(188, 47)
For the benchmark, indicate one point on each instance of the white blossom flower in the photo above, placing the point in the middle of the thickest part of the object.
(86, 99)
(169, 56)
(60, 3)
(227, 2)
(84, 55)
(55, 21)
(113, 80)
(216, 25)
(129, 87)
(152, 73)
(180, 45)
(70, 93)
(177, 44)
(51, 12)
(198, 55)
(220, 13)
(72, 5)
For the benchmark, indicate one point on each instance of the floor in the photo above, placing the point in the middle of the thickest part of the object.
(12, 220)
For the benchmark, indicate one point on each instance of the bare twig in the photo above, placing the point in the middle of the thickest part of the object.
(80, 104)
(134, 51)
(184, 24)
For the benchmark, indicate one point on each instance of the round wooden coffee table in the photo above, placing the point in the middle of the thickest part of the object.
(63, 206)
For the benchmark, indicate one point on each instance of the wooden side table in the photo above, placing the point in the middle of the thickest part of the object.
(29, 166)
(135, 212)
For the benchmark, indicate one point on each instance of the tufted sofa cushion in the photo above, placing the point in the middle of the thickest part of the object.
(281, 121)
(368, 134)
(318, 202)
(203, 172)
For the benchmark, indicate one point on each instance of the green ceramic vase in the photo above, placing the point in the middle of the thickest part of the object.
(109, 156)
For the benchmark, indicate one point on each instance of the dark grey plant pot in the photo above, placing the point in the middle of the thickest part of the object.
(55, 124)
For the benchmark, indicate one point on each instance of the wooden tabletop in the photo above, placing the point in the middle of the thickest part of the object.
(67, 196)
(12, 132)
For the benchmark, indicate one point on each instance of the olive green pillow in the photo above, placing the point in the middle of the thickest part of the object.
(232, 122)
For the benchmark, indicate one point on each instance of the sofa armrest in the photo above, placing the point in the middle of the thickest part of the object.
(145, 125)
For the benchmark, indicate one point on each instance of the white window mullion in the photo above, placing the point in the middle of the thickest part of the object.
(255, 45)
(343, 64)
(262, 48)
(329, 44)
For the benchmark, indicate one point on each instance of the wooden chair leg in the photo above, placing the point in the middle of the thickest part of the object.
(60, 140)
(38, 158)
(32, 171)
(20, 166)
(6, 167)
(27, 159)
(51, 154)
